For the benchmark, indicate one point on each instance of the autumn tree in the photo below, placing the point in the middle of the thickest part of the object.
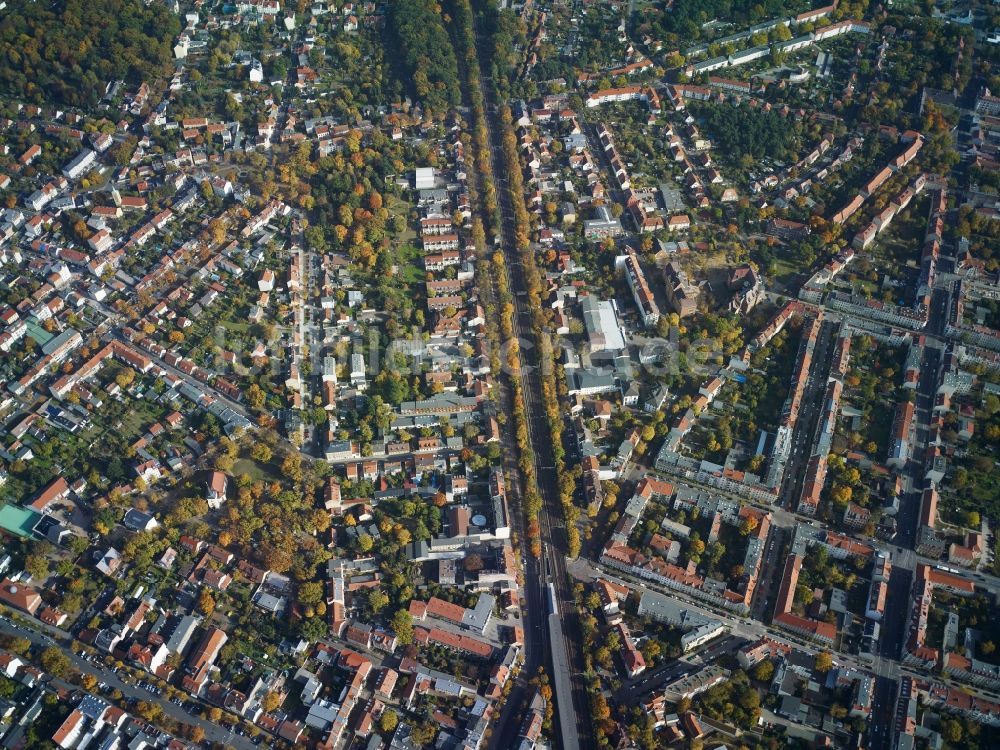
(206, 602)
(423, 734)
(824, 662)
(55, 662)
(763, 671)
(388, 721)
(261, 452)
(217, 231)
(125, 378)
(270, 702)
(951, 730)
(148, 710)
(841, 494)
(291, 466)
(15, 644)
(254, 396)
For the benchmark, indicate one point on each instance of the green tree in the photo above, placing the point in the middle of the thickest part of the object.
(310, 593)
(402, 625)
(66, 50)
(15, 644)
(37, 566)
(7, 687)
(749, 699)
(951, 730)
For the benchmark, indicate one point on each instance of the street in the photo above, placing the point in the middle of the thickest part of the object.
(213, 732)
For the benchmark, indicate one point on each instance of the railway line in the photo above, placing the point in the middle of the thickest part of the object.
(549, 606)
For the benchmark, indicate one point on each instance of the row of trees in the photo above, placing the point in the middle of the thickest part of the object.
(532, 278)
(494, 271)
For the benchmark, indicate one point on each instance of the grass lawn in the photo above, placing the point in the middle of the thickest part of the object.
(764, 395)
(411, 267)
(256, 471)
(400, 207)
(235, 326)
(865, 288)
(877, 430)
(984, 490)
(137, 419)
(785, 271)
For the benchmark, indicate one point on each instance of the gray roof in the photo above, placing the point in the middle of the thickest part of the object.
(137, 520)
(672, 198)
(93, 707)
(479, 616)
(602, 324)
(182, 631)
(586, 379)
